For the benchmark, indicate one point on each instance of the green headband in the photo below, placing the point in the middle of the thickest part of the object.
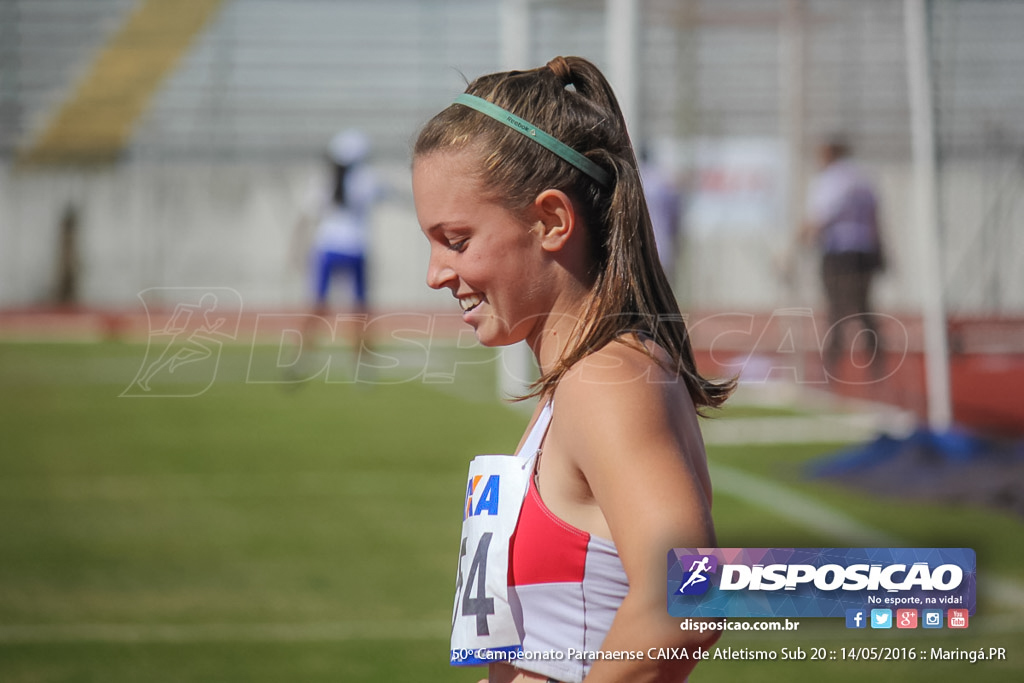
(545, 140)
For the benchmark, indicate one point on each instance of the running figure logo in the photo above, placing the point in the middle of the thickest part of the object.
(696, 581)
(191, 336)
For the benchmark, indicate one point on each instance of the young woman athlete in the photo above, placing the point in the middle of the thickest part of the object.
(528, 191)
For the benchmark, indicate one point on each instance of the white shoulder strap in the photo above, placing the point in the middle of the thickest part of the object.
(535, 438)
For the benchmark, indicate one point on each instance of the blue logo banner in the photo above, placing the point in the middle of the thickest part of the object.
(818, 582)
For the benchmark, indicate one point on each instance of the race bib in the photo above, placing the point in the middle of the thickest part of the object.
(483, 627)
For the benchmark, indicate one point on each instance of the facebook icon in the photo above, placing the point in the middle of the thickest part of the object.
(856, 618)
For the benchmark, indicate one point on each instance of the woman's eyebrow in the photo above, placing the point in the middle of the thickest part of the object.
(441, 226)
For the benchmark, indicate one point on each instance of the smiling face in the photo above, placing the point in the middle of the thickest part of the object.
(489, 257)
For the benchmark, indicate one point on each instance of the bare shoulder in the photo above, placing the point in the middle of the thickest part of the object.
(622, 395)
(623, 378)
(627, 424)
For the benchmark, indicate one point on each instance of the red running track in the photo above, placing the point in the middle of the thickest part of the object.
(986, 363)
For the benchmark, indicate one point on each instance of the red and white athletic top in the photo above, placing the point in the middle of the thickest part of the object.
(565, 585)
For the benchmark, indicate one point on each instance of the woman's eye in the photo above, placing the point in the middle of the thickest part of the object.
(458, 245)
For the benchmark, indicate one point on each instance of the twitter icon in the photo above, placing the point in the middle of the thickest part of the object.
(881, 618)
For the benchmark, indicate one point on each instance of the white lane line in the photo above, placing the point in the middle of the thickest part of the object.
(811, 514)
(203, 633)
(167, 485)
(805, 429)
(797, 508)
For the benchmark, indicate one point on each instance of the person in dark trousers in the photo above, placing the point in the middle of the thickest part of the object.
(842, 222)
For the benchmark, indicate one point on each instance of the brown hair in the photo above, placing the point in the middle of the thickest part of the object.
(571, 99)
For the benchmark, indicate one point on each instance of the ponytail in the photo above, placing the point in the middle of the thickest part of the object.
(631, 293)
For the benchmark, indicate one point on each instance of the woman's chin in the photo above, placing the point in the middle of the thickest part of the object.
(488, 336)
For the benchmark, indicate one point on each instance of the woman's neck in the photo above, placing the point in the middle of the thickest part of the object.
(560, 327)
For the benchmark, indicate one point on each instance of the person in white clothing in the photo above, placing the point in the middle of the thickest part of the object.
(339, 207)
(843, 223)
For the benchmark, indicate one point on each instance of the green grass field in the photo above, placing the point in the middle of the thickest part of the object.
(262, 531)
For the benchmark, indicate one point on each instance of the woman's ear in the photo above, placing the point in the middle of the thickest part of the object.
(556, 219)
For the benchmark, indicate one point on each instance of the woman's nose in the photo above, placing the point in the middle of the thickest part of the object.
(439, 274)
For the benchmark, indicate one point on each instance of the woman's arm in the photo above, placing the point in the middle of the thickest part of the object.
(631, 430)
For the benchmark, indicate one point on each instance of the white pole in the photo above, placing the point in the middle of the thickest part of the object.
(622, 26)
(794, 110)
(793, 37)
(936, 350)
(516, 368)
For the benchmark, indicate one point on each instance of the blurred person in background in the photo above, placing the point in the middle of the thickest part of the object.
(68, 261)
(665, 203)
(528, 191)
(842, 223)
(338, 207)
